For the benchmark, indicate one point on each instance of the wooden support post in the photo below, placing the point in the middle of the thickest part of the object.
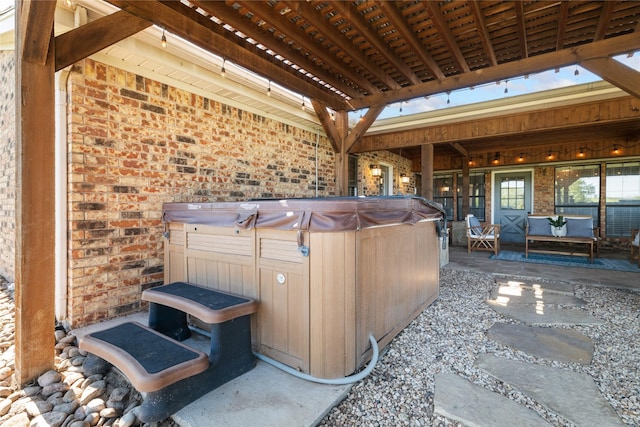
(465, 188)
(35, 204)
(427, 171)
(342, 157)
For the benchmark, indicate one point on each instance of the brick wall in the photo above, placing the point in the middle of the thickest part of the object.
(544, 181)
(136, 143)
(8, 165)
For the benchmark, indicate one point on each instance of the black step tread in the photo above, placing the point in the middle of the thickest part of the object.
(209, 305)
(149, 360)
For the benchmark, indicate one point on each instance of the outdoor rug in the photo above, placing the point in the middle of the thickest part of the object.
(568, 261)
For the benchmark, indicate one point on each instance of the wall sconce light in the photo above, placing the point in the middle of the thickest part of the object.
(549, 155)
(581, 153)
(616, 150)
(376, 171)
(521, 157)
(404, 179)
(496, 159)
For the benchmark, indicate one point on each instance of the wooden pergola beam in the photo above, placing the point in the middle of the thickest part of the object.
(447, 36)
(600, 49)
(81, 42)
(481, 27)
(616, 73)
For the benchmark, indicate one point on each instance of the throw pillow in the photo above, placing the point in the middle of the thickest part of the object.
(636, 241)
(579, 227)
(539, 226)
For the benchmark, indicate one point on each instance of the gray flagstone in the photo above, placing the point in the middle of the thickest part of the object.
(474, 405)
(518, 295)
(572, 395)
(543, 314)
(557, 287)
(563, 345)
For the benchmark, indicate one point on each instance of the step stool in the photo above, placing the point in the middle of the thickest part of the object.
(171, 373)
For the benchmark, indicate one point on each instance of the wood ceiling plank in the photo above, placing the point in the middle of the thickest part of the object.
(202, 35)
(90, 38)
(616, 73)
(600, 49)
(36, 27)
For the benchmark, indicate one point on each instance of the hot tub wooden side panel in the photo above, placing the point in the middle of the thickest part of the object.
(397, 278)
(332, 304)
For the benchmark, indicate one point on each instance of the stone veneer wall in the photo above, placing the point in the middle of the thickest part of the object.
(135, 143)
(8, 165)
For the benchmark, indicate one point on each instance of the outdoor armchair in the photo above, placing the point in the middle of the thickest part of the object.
(484, 238)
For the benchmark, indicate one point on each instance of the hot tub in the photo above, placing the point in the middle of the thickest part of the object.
(327, 272)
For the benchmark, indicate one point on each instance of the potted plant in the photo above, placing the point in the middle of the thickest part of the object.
(558, 226)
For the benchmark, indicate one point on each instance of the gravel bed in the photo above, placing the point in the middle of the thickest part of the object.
(450, 334)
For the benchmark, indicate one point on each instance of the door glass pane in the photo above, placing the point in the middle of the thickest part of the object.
(512, 193)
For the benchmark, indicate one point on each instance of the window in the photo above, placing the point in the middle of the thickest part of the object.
(476, 196)
(443, 193)
(577, 191)
(512, 193)
(623, 198)
(353, 175)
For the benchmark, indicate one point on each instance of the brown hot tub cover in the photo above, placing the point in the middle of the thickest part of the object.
(314, 214)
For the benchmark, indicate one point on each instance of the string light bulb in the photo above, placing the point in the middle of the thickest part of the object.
(521, 158)
(163, 40)
(506, 89)
(302, 106)
(615, 149)
(269, 89)
(223, 72)
(549, 155)
(448, 95)
(576, 72)
(581, 152)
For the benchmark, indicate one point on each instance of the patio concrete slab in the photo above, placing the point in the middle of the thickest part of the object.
(243, 401)
(563, 345)
(475, 406)
(572, 395)
(542, 314)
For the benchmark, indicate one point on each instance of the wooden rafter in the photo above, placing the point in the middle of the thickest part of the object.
(396, 18)
(355, 20)
(447, 37)
(605, 18)
(328, 124)
(522, 31)
(362, 126)
(460, 149)
(562, 25)
(329, 32)
(481, 28)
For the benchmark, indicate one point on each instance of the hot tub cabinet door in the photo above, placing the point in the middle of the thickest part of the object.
(283, 316)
